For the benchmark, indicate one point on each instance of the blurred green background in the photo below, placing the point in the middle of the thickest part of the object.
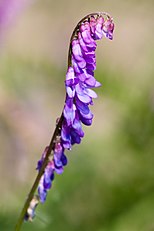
(108, 184)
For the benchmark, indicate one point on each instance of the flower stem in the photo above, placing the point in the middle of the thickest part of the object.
(40, 173)
(56, 132)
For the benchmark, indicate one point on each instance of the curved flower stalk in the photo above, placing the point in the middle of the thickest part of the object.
(79, 96)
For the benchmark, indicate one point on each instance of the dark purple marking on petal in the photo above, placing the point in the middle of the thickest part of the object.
(91, 66)
(78, 127)
(82, 106)
(52, 176)
(64, 159)
(86, 116)
(86, 122)
(75, 138)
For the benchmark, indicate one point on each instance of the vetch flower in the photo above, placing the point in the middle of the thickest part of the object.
(30, 214)
(79, 96)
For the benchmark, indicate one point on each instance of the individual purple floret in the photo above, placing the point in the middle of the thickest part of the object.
(79, 95)
(46, 181)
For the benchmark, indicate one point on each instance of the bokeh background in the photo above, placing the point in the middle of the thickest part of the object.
(108, 184)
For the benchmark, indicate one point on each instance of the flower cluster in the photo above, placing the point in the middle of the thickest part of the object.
(80, 78)
(54, 165)
(79, 95)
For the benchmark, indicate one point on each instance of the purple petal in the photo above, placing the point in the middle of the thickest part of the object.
(42, 194)
(40, 162)
(57, 162)
(82, 43)
(86, 122)
(58, 150)
(82, 64)
(99, 24)
(88, 116)
(84, 98)
(70, 73)
(66, 144)
(78, 127)
(81, 94)
(98, 84)
(64, 159)
(75, 138)
(70, 92)
(108, 28)
(69, 113)
(90, 93)
(91, 66)
(91, 81)
(41, 191)
(66, 138)
(89, 59)
(70, 77)
(92, 24)
(77, 53)
(59, 170)
(65, 133)
(82, 77)
(77, 69)
(82, 106)
(85, 32)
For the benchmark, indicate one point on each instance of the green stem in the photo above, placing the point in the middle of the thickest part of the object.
(37, 180)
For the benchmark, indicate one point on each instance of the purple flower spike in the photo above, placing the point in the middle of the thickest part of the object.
(81, 69)
(79, 96)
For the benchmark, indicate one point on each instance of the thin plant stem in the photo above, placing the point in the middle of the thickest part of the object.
(36, 182)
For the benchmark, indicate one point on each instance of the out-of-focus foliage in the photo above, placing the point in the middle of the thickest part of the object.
(108, 184)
